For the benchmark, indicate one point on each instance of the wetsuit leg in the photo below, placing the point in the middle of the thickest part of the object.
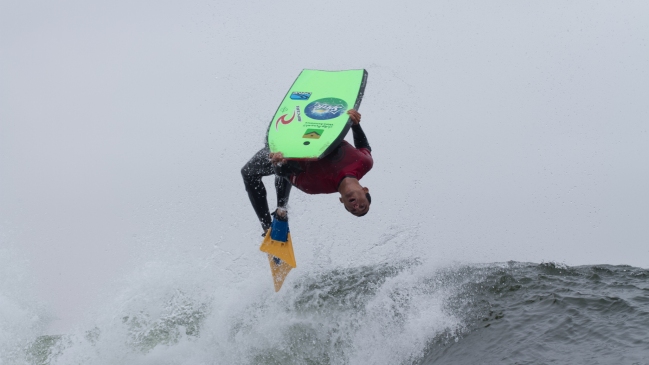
(283, 189)
(252, 172)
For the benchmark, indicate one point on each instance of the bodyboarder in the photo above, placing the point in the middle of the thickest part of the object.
(339, 171)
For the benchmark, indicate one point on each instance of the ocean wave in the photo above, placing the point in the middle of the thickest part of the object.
(406, 312)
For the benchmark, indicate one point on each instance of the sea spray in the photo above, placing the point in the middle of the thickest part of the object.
(184, 314)
(23, 316)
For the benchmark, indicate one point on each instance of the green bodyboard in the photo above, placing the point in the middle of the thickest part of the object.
(312, 119)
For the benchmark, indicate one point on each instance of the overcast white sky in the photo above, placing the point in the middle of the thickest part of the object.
(502, 130)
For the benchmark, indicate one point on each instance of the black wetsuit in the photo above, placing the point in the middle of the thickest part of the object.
(259, 166)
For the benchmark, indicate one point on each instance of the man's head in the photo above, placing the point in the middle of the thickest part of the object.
(357, 201)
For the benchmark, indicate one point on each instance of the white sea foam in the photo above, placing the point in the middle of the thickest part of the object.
(186, 309)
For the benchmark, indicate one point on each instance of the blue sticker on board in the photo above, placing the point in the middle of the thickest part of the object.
(327, 108)
(300, 95)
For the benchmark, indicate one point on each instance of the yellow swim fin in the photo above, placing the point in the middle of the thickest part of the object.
(279, 249)
(279, 269)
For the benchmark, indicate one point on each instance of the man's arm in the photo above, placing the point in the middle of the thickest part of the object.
(360, 140)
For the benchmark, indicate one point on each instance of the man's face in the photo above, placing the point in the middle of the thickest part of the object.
(356, 202)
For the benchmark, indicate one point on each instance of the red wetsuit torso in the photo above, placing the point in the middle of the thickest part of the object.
(324, 176)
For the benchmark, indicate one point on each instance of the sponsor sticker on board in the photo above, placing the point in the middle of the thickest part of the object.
(326, 108)
(300, 95)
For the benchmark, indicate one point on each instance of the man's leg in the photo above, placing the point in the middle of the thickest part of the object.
(283, 189)
(252, 172)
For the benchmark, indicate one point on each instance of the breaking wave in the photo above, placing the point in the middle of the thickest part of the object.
(408, 312)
